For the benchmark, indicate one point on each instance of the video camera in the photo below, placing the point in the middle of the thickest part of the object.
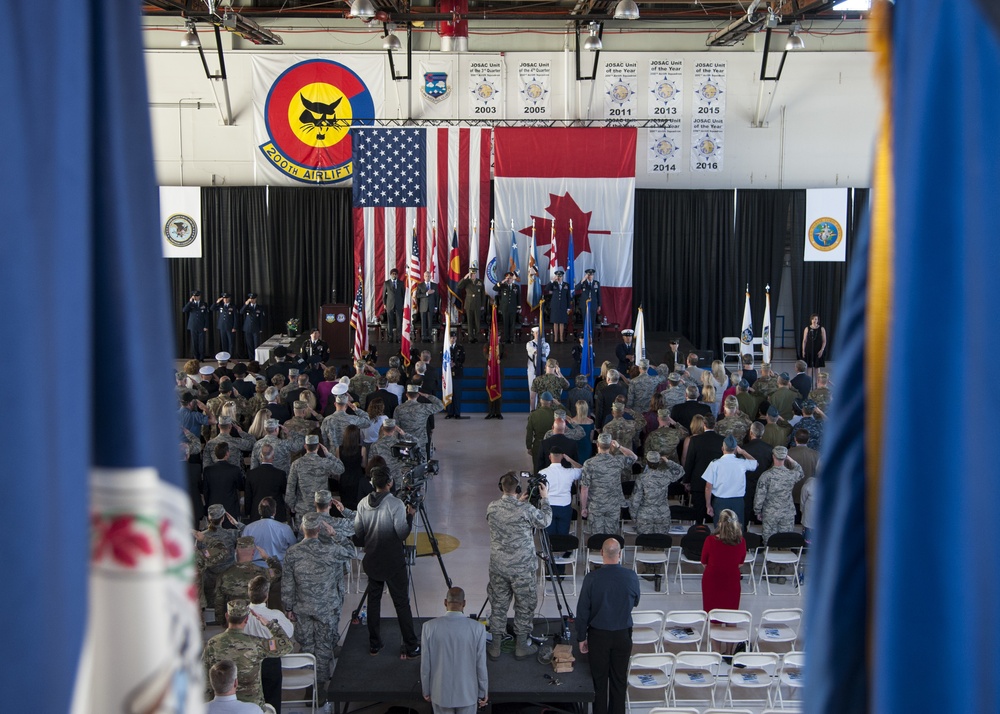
(533, 483)
(415, 478)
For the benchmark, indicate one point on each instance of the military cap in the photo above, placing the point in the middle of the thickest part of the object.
(280, 351)
(238, 609)
(474, 266)
(617, 407)
(312, 439)
(223, 356)
(604, 440)
(730, 442)
(272, 424)
(534, 330)
(508, 274)
(225, 294)
(412, 388)
(784, 376)
(196, 293)
(808, 404)
(560, 414)
(216, 511)
(207, 370)
(180, 375)
(780, 452)
(663, 413)
(310, 522)
(581, 379)
(546, 396)
(772, 411)
(339, 388)
(341, 399)
(590, 271)
(225, 384)
(244, 542)
(743, 384)
(653, 457)
(627, 332)
(251, 295)
(292, 372)
(389, 424)
(299, 404)
(673, 377)
(323, 497)
(765, 365)
(643, 364)
(225, 420)
(674, 341)
(453, 333)
(560, 272)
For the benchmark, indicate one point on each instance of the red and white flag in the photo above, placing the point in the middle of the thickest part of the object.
(587, 175)
(438, 174)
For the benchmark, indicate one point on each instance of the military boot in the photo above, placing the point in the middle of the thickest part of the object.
(493, 648)
(525, 648)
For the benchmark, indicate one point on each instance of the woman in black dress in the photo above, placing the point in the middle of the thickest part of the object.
(814, 345)
(352, 454)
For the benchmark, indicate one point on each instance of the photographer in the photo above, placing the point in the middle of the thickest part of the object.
(383, 523)
(512, 521)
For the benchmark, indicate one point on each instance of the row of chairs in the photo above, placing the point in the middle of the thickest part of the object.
(778, 630)
(757, 678)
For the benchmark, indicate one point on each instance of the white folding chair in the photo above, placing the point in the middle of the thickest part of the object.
(778, 630)
(653, 549)
(647, 628)
(298, 672)
(358, 569)
(696, 672)
(731, 350)
(649, 673)
(753, 542)
(565, 544)
(753, 672)
(673, 710)
(783, 549)
(790, 677)
(729, 627)
(684, 629)
(693, 565)
(727, 710)
(594, 544)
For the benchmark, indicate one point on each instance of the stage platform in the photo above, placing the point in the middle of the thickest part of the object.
(386, 678)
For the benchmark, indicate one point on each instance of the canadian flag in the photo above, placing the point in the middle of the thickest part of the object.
(547, 176)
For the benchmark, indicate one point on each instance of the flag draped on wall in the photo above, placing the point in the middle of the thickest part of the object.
(359, 323)
(746, 332)
(101, 583)
(871, 586)
(588, 176)
(439, 174)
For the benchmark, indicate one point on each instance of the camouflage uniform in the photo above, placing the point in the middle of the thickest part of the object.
(602, 476)
(209, 553)
(641, 390)
(512, 524)
(215, 405)
(333, 426)
(362, 385)
(383, 448)
(822, 397)
(214, 567)
(554, 383)
(313, 588)
(764, 387)
(650, 507)
(815, 428)
(672, 396)
(412, 415)
(665, 440)
(738, 425)
(193, 442)
(247, 652)
(232, 584)
(573, 431)
(284, 449)
(237, 445)
(308, 475)
(774, 499)
(300, 426)
(294, 389)
(256, 403)
(624, 431)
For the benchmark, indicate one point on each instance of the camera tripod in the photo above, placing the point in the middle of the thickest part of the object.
(548, 559)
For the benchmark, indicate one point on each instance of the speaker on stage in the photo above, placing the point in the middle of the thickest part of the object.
(335, 329)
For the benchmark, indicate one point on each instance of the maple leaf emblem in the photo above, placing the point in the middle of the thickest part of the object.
(562, 210)
(116, 537)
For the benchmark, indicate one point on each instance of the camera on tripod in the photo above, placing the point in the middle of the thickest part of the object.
(533, 482)
(415, 478)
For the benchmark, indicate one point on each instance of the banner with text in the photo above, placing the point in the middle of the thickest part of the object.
(826, 225)
(620, 82)
(486, 92)
(666, 102)
(436, 86)
(534, 79)
(708, 125)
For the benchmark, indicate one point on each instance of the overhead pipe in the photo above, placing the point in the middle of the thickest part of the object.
(454, 33)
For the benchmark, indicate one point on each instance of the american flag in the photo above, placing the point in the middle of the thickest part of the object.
(406, 177)
(358, 320)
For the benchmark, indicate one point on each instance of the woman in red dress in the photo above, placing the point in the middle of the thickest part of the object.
(722, 555)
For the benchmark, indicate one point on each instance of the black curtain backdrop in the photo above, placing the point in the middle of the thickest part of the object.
(819, 286)
(313, 249)
(235, 257)
(684, 263)
(766, 222)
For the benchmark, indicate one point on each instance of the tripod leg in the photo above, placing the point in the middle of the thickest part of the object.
(432, 539)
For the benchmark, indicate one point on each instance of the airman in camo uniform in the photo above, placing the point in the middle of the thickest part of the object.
(642, 388)
(622, 430)
(333, 426)
(343, 528)
(226, 537)
(667, 437)
(227, 394)
(246, 651)
(601, 496)
(650, 508)
(552, 381)
(821, 395)
(310, 474)
(674, 393)
(362, 383)
(773, 503)
(312, 590)
(299, 424)
(232, 584)
(388, 435)
(238, 440)
(766, 384)
(411, 415)
(512, 521)
(284, 449)
(734, 422)
(297, 383)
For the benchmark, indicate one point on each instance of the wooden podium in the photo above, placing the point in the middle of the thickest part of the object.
(335, 329)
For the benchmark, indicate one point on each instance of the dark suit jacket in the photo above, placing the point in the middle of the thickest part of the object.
(281, 412)
(427, 298)
(672, 359)
(263, 481)
(684, 412)
(703, 449)
(750, 375)
(569, 447)
(802, 383)
(393, 297)
(221, 483)
(390, 400)
(605, 398)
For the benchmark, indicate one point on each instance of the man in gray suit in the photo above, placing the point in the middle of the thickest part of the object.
(426, 295)
(453, 667)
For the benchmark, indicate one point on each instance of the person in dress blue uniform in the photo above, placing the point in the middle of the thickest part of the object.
(253, 322)
(560, 306)
(590, 289)
(225, 323)
(197, 323)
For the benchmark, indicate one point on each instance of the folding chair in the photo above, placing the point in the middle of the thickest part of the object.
(683, 629)
(698, 671)
(649, 673)
(690, 555)
(647, 628)
(594, 545)
(778, 630)
(565, 544)
(731, 350)
(673, 710)
(727, 627)
(783, 549)
(754, 672)
(753, 542)
(653, 549)
(298, 672)
(791, 677)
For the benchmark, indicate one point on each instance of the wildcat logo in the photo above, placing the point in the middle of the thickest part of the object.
(308, 116)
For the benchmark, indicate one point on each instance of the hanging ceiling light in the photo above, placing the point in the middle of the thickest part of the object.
(190, 38)
(794, 40)
(626, 10)
(391, 42)
(362, 9)
(593, 42)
